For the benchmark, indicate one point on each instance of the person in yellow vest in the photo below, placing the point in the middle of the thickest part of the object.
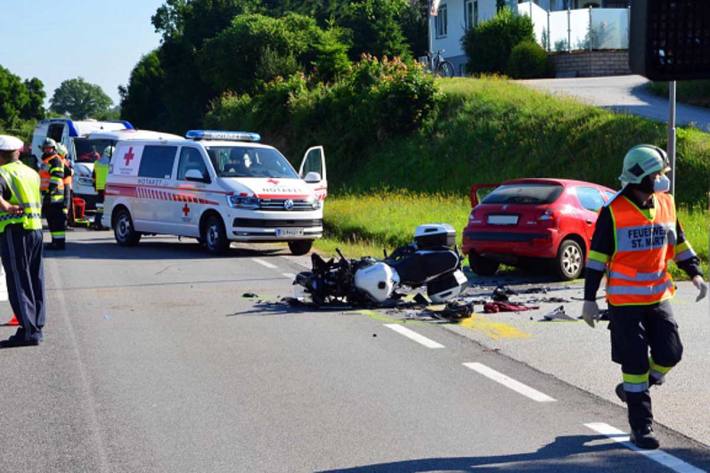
(636, 235)
(101, 170)
(21, 243)
(68, 177)
(52, 186)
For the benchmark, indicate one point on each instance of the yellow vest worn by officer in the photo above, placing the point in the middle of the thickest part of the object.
(24, 185)
(101, 169)
(52, 172)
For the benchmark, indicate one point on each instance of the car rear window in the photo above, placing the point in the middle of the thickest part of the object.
(533, 194)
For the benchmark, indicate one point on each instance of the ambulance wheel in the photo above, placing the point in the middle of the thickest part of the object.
(123, 229)
(569, 263)
(215, 236)
(482, 266)
(300, 247)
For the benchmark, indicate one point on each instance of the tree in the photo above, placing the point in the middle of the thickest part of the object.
(488, 45)
(375, 27)
(34, 109)
(13, 98)
(142, 101)
(80, 99)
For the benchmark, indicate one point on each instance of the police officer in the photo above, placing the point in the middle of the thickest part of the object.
(52, 186)
(637, 234)
(101, 169)
(21, 243)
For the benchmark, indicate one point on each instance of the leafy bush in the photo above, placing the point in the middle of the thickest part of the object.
(256, 49)
(527, 61)
(488, 45)
(379, 99)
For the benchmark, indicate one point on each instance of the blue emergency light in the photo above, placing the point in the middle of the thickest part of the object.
(222, 135)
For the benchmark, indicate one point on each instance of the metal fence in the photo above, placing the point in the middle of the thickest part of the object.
(580, 29)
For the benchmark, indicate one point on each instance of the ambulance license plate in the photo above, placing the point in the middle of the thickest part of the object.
(289, 232)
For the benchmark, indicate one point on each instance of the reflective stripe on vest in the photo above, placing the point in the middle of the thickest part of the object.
(46, 179)
(638, 268)
(23, 182)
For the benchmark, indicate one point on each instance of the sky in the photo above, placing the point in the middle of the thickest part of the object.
(56, 40)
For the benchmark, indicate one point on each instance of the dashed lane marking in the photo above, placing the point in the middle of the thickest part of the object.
(509, 382)
(412, 335)
(659, 456)
(264, 263)
(289, 275)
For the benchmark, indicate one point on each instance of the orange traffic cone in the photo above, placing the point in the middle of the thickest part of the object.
(13, 321)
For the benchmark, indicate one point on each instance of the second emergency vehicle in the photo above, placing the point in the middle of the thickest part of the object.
(218, 187)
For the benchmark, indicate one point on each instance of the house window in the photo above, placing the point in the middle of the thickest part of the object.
(471, 14)
(442, 21)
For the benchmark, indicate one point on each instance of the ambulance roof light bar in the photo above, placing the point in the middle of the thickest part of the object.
(198, 135)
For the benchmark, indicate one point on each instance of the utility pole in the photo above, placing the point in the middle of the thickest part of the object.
(671, 151)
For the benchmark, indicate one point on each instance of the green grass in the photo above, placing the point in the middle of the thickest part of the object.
(490, 129)
(366, 224)
(694, 92)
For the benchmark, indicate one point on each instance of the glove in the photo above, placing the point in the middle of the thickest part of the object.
(590, 312)
(702, 287)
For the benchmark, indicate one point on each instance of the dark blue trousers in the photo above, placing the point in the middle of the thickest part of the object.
(24, 273)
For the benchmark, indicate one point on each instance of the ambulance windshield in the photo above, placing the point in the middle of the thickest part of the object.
(241, 161)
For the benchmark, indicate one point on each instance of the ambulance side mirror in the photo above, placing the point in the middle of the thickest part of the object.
(195, 175)
(312, 177)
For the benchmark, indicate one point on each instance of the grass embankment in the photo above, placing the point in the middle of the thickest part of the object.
(693, 92)
(489, 130)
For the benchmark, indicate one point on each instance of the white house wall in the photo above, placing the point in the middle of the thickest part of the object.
(451, 44)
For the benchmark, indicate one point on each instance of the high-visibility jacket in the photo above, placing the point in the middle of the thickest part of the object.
(101, 168)
(638, 269)
(52, 177)
(23, 182)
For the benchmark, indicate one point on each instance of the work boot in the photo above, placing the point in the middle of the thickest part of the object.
(621, 394)
(644, 439)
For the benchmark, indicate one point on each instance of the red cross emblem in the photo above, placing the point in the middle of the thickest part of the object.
(186, 210)
(128, 157)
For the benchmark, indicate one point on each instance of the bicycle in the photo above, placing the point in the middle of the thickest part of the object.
(438, 65)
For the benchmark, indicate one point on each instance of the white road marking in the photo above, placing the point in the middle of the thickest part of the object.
(412, 335)
(289, 275)
(509, 382)
(659, 456)
(264, 263)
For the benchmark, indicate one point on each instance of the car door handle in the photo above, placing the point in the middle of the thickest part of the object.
(589, 222)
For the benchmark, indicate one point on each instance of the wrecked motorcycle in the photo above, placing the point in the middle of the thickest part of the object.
(432, 260)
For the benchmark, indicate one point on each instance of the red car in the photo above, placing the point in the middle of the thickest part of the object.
(524, 222)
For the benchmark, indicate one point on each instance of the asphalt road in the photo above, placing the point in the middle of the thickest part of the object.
(626, 94)
(154, 361)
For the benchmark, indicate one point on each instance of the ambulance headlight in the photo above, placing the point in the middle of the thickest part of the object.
(315, 203)
(241, 202)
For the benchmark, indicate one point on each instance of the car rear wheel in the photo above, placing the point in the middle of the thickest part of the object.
(215, 236)
(482, 266)
(300, 247)
(569, 263)
(123, 229)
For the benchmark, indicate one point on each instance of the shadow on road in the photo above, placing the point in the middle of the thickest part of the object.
(106, 248)
(560, 455)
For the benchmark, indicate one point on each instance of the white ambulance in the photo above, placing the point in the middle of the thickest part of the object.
(218, 187)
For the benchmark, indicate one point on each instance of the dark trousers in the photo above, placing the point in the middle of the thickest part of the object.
(100, 197)
(24, 274)
(634, 331)
(57, 222)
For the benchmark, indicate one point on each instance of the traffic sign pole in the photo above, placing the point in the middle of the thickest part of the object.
(671, 151)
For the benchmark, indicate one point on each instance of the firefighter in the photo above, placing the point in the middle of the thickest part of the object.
(101, 170)
(21, 242)
(52, 186)
(68, 178)
(637, 234)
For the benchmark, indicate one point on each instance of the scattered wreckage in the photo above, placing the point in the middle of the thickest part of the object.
(431, 261)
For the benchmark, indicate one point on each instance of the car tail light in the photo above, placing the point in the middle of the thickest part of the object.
(473, 218)
(547, 216)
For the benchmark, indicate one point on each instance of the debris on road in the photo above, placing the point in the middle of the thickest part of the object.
(499, 306)
(249, 295)
(558, 314)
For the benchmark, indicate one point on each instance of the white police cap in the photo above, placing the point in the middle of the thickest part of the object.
(10, 143)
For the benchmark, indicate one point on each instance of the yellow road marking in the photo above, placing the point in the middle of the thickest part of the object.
(494, 330)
